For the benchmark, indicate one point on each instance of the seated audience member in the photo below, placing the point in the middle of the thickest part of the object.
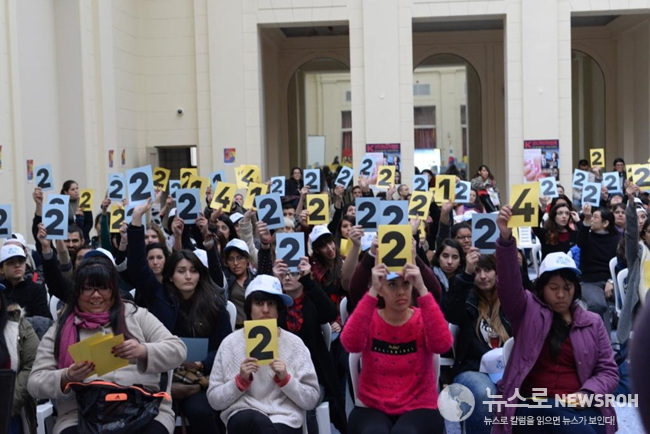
(311, 307)
(448, 262)
(98, 308)
(556, 234)
(559, 347)
(398, 342)
(238, 275)
(188, 303)
(598, 240)
(18, 344)
(264, 398)
(29, 295)
(473, 305)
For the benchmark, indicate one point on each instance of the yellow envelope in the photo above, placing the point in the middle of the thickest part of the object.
(262, 340)
(80, 351)
(104, 360)
(344, 248)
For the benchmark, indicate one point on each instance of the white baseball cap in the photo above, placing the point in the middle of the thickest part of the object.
(17, 238)
(318, 232)
(270, 285)
(9, 251)
(492, 363)
(101, 253)
(235, 217)
(557, 261)
(238, 244)
(203, 256)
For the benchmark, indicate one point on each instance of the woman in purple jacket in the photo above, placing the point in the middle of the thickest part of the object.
(559, 347)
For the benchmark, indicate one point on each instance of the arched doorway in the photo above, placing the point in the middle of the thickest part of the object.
(588, 104)
(319, 113)
(447, 114)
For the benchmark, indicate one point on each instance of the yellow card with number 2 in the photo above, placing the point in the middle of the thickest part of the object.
(262, 340)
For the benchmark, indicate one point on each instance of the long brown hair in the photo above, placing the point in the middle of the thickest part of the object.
(489, 306)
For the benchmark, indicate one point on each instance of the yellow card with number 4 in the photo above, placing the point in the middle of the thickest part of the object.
(262, 340)
(523, 200)
(395, 244)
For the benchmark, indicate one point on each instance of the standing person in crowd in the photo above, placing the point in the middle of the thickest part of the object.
(83, 218)
(486, 186)
(473, 305)
(18, 344)
(619, 166)
(271, 398)
(637, 253)
(98, 308)
(188, 303)
(29, 295)
(597, 239)
(294, 184)
(397, 382)
(311, 307)
(559, 347)
(557, 235)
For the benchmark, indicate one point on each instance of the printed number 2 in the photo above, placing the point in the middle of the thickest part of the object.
(258, 352)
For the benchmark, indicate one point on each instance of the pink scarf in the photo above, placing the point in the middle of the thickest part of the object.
(85, 320)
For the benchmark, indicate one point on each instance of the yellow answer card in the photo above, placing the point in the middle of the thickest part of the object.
(646, 274)
(262, 340)
(104, 360)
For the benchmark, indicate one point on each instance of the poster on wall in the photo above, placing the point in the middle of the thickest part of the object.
(229, 155)
(30, 170)
(541, 159)
(391, 154)
(0, 158)
(123, 157)
(427, 159)
(111, 153)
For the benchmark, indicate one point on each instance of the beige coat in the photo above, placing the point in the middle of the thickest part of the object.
(165, 351)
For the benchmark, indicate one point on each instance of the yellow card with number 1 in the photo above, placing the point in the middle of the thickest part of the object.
(262, 340)
(523, 200)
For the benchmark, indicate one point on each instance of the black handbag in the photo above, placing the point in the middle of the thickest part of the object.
(106, 407)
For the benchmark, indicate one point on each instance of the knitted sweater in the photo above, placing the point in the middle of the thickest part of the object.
(397, 374)
(285, 404)
(596, 250)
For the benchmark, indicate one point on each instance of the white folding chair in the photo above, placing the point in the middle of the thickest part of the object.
(54, 303)
(326, 329)
(619, 290)
(232, 311)
(43, 411)
(612, 271)
(355, 367)
(448, 361)
(507, 349)
(343, 307)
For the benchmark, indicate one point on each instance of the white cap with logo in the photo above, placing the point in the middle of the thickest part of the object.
(557, 261)
(9, 251)
(492, 363)
(318, 232)
(270, 285)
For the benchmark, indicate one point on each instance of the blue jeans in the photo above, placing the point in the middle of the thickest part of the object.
(477, 383)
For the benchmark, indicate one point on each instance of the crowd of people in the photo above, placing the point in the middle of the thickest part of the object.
(161, 282)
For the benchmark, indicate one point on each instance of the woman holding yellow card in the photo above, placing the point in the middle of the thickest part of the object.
(98, 308)
(263, 395)
(397, 383)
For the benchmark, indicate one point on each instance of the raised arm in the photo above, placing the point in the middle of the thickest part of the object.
(511, 292)
(352, 259)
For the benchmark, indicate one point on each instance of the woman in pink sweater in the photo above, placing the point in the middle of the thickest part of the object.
(397, 382)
